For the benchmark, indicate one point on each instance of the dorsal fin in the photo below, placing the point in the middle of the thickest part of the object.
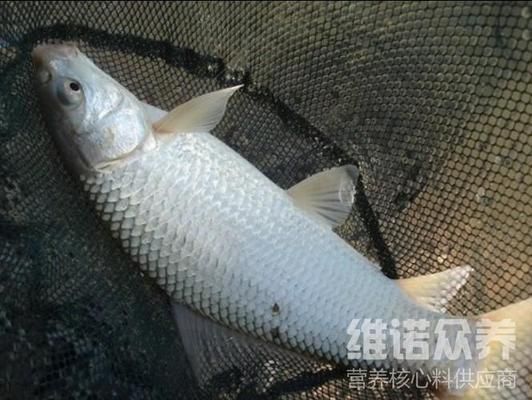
(201, 114)
(329, 195)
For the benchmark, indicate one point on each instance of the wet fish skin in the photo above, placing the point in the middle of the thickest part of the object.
(219, 236)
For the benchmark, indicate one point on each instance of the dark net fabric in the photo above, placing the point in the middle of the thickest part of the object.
(431, 100)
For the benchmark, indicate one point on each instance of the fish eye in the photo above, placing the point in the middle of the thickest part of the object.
(70, 92)
(74, 86)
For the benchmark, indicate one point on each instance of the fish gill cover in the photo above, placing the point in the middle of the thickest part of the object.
(430, 100)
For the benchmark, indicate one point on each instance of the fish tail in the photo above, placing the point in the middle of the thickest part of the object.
(502, 360)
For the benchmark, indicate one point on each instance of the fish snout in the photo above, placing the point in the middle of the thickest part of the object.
(44, 53)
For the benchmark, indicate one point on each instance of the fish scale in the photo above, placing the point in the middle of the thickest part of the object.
(231, 244)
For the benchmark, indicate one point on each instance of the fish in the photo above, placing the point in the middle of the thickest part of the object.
(232, 248)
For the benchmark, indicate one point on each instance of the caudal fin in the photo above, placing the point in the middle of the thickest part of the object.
(504, 366)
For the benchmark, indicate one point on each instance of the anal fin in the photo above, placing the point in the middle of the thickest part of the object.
(436, 290)
(328, 196)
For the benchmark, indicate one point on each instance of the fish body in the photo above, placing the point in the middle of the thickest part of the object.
(219, 236)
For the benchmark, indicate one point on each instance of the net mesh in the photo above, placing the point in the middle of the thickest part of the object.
(431, 100)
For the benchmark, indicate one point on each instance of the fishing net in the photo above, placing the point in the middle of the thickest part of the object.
(432, 101)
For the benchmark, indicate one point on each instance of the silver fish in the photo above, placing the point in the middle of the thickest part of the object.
(226, 242)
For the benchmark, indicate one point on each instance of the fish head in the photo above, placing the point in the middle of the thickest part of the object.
(95, 121)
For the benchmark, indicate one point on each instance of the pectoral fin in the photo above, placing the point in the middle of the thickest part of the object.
(436, 290)
(153, 113)
(201, 114)
(328, 195)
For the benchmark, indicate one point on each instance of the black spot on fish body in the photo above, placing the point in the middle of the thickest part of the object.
(275, 333)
